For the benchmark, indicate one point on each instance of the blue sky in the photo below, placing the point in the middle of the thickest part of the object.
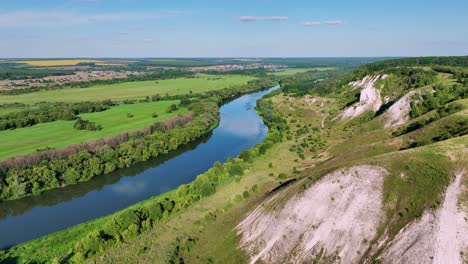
(232, 28)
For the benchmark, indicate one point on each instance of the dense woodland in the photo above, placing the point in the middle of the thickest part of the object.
(48, 169)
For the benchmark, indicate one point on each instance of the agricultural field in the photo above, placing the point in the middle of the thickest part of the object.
(51, 63)
(59, 134)
(288, 72)
(130, 90)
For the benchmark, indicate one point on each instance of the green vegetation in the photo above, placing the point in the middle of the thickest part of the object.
(48, 112)
(443, 94)
(289, 72)
(81, 124)
(130, 90)
(95, 237)
(304, 143)
(9, 73)
(59, 134)
(50, 168)
(417, 182)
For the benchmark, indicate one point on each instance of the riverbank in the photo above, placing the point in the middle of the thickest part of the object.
(49, 169)
(233, 167)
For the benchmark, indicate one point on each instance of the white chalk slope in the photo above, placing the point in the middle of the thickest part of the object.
(338, 215)
(369, 98)
(438, 237)
(398, 113)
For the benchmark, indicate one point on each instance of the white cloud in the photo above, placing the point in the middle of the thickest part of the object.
(334, 22)
(315, 23)
(53, 18)
(259, 18)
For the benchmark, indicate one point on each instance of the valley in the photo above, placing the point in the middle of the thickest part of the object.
(364, 165)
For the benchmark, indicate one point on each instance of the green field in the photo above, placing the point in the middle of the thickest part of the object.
(59, 134)
(130, 90)
(301, 70)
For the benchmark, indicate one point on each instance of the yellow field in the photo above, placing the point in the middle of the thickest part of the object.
(45, 63)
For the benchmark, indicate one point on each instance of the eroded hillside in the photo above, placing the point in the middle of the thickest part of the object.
(392, 184)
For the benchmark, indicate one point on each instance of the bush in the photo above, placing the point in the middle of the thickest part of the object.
(172, 108)
(236, 169)
(81, 124)
(246, 156)
(254, 188)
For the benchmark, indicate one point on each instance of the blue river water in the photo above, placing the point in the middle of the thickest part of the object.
(240, 128)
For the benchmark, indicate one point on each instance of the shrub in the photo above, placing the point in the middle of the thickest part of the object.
(171, 108)
(236, 169)
(254, 188)
(81, 124)
(246, 156)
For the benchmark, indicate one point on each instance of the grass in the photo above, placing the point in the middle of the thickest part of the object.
(301, 70)
(152, 247)
(417, 182)
(59, 134)
(130, 90)
(189, 223)
(49, 63)
(426, 172)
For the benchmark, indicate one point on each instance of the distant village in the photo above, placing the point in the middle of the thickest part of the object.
(78, 76)
(90, 75)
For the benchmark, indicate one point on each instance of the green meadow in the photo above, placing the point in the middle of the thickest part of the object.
(59, 134)
(130, 90)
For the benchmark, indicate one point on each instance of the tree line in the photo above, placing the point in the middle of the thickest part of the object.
(49, 112)
(129, 223)
(52, 168)
(8, 72)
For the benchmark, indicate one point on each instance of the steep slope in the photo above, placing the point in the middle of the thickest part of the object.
(330, 219)
(438, 237)
(398, 113)
(385, 184)
(410, 186)
(369, 98)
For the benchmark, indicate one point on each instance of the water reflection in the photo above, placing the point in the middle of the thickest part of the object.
(32, 217)
(70, 192)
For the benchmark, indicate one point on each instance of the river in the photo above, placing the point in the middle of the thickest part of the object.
(240, 128)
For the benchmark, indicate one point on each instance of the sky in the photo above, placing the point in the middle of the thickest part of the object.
(232, 28)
